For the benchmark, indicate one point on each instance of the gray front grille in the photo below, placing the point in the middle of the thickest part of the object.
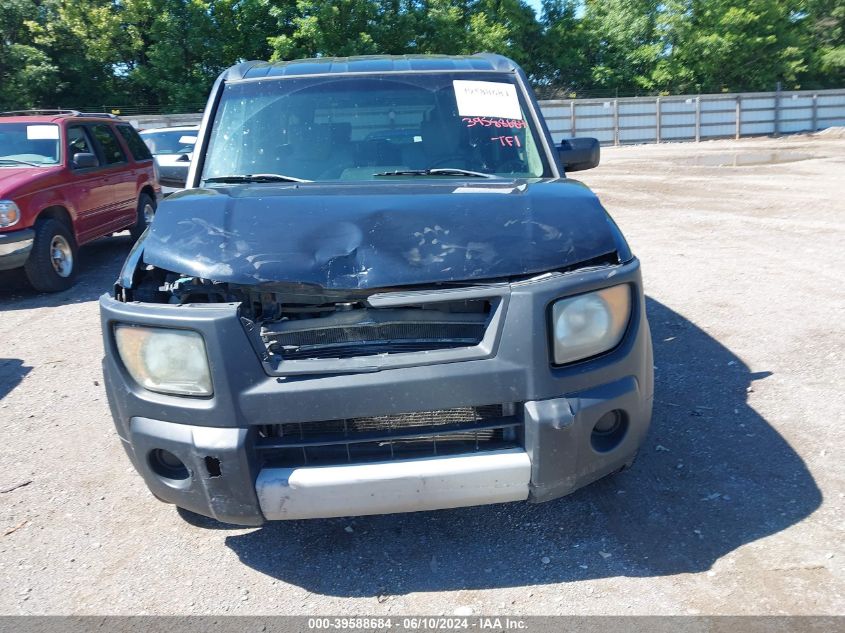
(371, 331)
(381, 332)
(399, 436)
(382, 338)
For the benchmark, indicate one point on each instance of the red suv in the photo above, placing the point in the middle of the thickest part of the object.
(67, 178)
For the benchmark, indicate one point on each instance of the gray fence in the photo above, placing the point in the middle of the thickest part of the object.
(658, 119)
(694, 117)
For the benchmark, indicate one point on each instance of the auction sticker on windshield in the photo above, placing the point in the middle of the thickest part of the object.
(487, 98)
(42, 132)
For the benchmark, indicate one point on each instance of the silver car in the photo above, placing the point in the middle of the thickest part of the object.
(172, 148)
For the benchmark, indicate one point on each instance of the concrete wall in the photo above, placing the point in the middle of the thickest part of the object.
(148, 121)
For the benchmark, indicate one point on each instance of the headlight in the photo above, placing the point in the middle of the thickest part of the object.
(165, 360)
(9, 213)
(589, 324)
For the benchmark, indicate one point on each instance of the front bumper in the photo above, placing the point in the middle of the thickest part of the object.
(15, 247)
(557, 408)
(410, 485)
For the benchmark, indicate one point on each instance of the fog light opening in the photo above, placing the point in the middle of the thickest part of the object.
(609, 431)
(167, 466)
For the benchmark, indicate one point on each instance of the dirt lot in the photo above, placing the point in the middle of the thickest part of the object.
(735, 506)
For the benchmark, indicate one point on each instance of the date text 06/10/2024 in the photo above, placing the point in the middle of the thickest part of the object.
(418, 623)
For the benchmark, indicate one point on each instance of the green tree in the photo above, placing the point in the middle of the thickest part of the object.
(81, 38)
(28, 76)
(623, 43)
(722, 45)
(166, 53)
(507, 27)
(825, 21)
(442, 27)
(318, 28)
(243, 28)
(184, 54)
(565, 46)
(396, 27)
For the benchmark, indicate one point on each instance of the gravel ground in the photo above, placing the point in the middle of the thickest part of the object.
(734, 507)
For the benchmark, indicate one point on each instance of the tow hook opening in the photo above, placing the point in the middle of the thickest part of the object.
(212, 465)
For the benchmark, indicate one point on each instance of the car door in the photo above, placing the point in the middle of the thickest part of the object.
(120, 211)
(143, 171)
(88, 190)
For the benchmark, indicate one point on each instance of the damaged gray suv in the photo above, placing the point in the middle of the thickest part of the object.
(379, 293)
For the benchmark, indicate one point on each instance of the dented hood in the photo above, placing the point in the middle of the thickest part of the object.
(378, 234)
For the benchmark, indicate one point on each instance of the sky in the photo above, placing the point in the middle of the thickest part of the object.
(535, 4)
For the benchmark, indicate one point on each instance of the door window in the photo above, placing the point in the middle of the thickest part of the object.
(78, 143)
(112, 152)
(138, 148)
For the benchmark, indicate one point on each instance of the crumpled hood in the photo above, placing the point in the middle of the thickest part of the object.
(372, 235)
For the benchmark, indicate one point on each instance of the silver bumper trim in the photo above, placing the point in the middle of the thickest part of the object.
(14, 248)
(398, 486)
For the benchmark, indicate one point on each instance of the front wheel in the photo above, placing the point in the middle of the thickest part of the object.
(51, 266)
(145, 213)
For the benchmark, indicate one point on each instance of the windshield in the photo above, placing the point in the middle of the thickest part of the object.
(370, 127)
(29, 144)
(170, 141)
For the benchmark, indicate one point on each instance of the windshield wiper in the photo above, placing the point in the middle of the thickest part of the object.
(439, 171)
(256, 178)
(19, 162)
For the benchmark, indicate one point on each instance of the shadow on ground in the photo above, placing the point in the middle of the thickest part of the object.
(712, 476)
(99, 264)
(12, 373)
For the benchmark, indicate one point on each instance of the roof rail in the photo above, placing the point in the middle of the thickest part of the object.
(99, 115)
(38, 111)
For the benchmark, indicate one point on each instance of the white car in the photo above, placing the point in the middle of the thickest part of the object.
(172, 148)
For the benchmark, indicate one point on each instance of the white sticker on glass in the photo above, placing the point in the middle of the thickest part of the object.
(483, 190)
(42, 132)
(487, 98)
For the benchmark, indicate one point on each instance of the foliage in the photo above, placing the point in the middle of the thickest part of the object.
(826, 41)
(166, 53)
(26, 71)
(755, 44)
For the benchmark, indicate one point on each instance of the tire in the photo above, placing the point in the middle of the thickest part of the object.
(146, 210)
(51, 266)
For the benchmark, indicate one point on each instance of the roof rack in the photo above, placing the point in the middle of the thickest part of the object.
(98, 115)
(37, 112)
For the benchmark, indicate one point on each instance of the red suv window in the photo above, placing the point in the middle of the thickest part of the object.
(136, 145)
(112, 152)
(78, 142)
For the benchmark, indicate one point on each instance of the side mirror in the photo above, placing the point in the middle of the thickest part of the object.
(83, 160)
(579, 153)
